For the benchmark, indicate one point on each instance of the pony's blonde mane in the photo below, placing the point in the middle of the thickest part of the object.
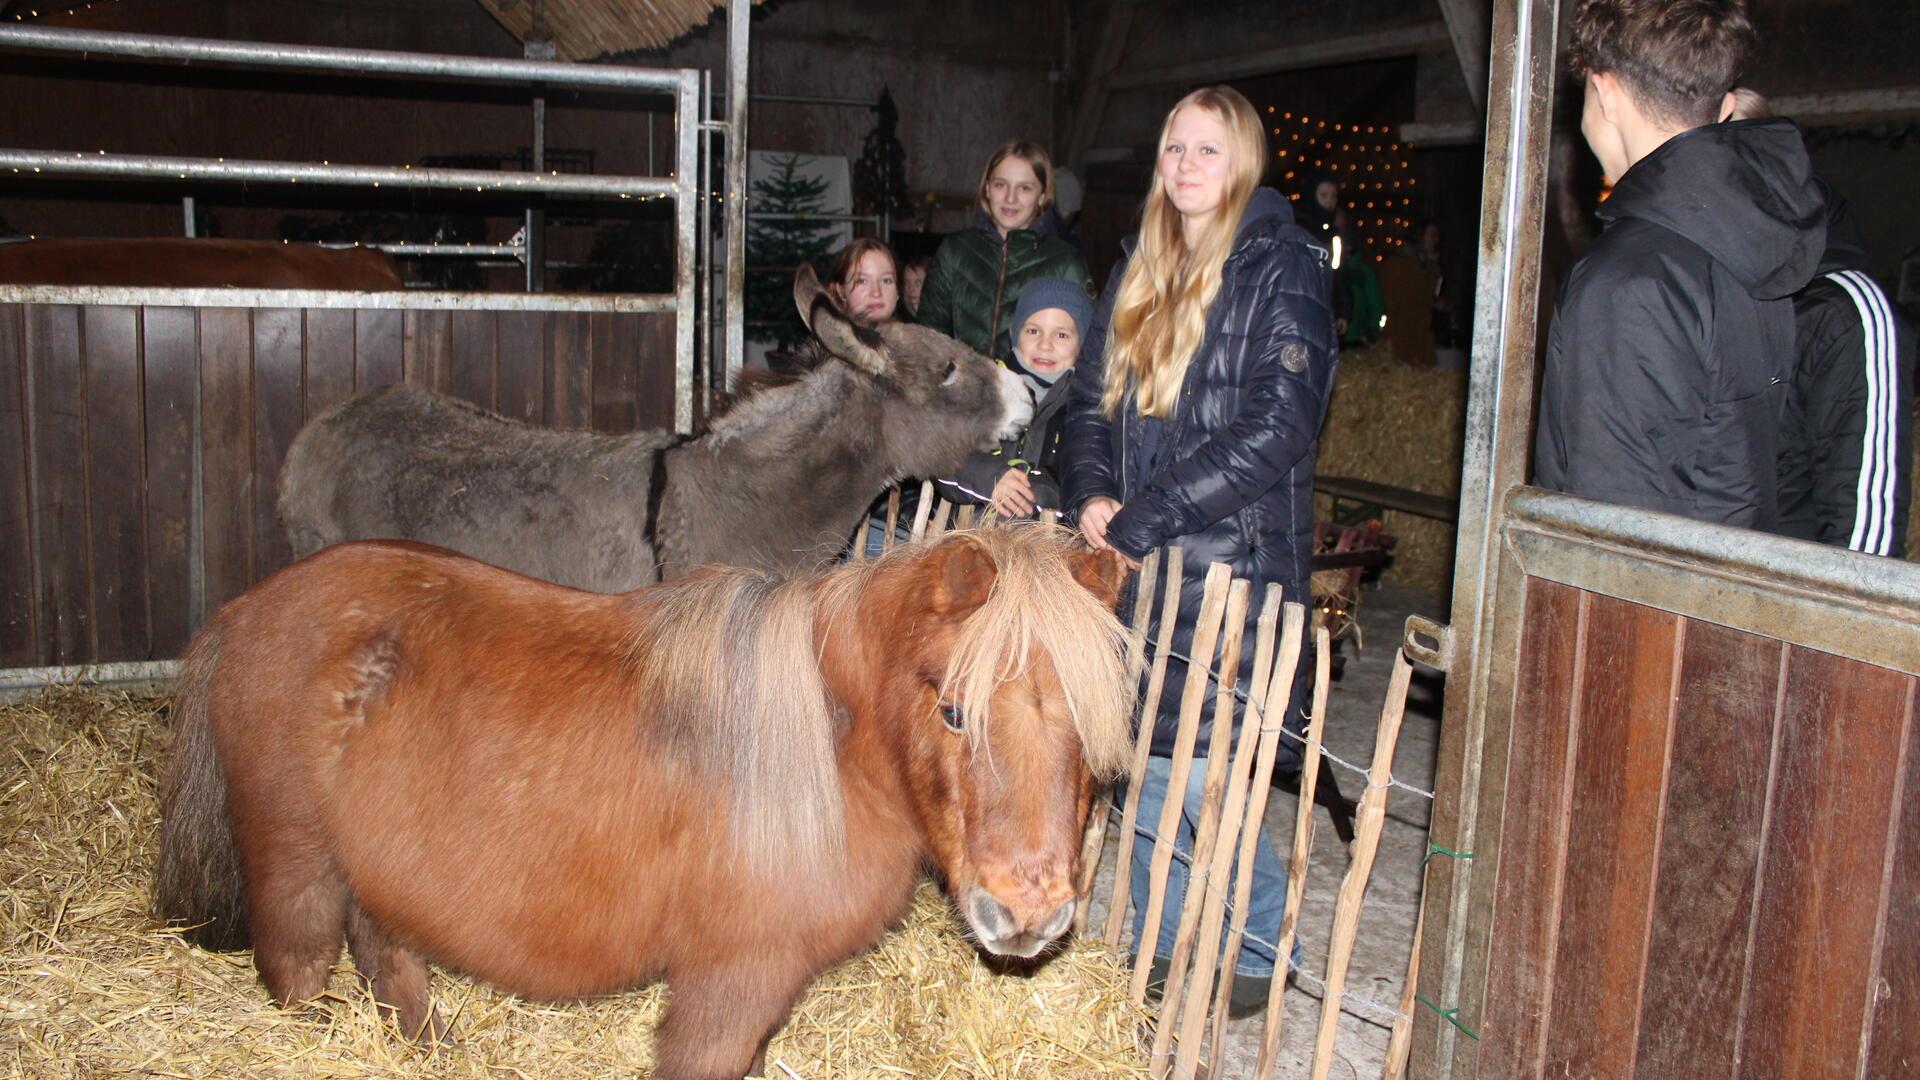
(1037, 608)
(729, 655)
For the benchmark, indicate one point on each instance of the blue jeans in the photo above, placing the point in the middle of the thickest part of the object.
(1266, 905)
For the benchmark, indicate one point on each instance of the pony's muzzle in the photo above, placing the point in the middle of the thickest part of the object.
(1004, 934)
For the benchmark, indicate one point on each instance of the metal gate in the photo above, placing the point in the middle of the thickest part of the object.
(141, 429)
(1678, 831)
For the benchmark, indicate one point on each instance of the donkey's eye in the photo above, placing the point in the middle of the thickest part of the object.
(956, 722)
(953, 370)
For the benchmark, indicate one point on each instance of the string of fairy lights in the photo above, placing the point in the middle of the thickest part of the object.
(1370, 165)
(54, 7)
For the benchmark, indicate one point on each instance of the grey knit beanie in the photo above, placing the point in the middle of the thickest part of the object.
(1052, 292)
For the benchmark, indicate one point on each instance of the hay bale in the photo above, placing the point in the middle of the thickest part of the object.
(1396, 424)
(91, 987)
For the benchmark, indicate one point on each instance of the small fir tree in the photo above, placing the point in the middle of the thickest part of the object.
(780, 246)
(880, 176)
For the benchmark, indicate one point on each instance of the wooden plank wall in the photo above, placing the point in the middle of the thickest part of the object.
(1710, 863)
(107, 415)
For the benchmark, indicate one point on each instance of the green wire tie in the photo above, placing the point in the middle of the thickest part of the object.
(1435, 849)
(1451, 1016)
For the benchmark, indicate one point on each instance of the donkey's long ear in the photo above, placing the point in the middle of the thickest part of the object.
(961, 576)
(1101, 572)
(856, 344)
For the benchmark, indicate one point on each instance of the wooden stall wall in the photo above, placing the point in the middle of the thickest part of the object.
(139, 445)
(1710, 864)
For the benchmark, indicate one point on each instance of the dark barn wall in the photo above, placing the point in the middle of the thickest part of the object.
(965, 76)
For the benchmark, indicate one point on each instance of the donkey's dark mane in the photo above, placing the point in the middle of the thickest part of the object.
(805, 359)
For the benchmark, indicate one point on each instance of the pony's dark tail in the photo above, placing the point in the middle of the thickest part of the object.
(197, 881)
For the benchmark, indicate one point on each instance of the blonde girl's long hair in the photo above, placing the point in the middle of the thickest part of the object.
(1160, 314)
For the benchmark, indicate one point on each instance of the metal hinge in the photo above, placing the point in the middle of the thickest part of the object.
(1437, 655)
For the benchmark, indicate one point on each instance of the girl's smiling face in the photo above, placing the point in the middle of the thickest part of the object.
(1013, 194)
(871, 292)
(1049, 342)
(1195, 164)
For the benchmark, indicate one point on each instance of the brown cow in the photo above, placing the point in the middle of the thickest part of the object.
(181, 262)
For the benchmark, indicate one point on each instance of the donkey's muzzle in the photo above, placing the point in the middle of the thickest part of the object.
(1004, 934)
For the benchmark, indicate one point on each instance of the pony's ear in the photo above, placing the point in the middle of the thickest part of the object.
(857, 345)
(1101, 572)
(961, 576)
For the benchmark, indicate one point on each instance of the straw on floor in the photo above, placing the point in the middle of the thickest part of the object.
(90, 986)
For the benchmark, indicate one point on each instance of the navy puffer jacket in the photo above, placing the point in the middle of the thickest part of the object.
(1231, 479)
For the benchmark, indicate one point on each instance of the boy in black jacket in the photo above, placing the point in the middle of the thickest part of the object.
(1667, 367)
(1021, 476)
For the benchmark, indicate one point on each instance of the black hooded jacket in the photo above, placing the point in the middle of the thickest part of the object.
(1844, 476)
(1229, 475)
(1667, 369)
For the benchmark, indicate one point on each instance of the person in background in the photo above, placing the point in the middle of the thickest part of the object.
(978, 272)
(913, 278)
(1845, 471)
(1194, 420)
(1067, 195)
(1666, 378)
(865, 280)
(1324, 218)
(1021, 476)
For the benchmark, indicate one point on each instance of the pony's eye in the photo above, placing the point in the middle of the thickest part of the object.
(956, 723)
(953, 369)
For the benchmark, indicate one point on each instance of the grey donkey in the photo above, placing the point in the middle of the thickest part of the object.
(779, 481)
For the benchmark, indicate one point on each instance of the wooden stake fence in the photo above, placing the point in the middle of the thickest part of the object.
(1235, 797)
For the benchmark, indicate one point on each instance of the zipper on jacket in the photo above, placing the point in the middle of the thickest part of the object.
(999, 289)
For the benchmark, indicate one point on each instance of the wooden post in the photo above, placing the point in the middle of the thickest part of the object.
(1096, 839)
(1284, 660)
(963, 517)
(1368, 821)
(1143, 747)
(1225, 854)
(940, 518)
(893, 519)
(1302, 842)
(1400, 1043)
(1206, 635)
(1206, 832)
(922, 509)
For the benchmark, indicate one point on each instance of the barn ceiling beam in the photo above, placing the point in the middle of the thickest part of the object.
(1468, 28)
(1885, 104)
(1372, 45)
(1093, 97)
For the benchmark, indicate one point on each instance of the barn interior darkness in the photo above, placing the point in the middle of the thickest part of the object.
(1089, 78)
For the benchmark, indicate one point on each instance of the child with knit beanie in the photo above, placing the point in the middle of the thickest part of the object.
(1021, 477)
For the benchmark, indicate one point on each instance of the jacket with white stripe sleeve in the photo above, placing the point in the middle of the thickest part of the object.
(1847, 468)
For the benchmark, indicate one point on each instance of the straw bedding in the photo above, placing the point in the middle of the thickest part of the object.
(89, 986)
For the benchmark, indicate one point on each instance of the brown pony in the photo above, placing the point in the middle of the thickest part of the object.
(730, 782)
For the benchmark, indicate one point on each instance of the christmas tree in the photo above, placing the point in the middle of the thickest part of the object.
(777, 244)
(880, 176)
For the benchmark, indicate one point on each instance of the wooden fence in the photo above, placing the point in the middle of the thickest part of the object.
(139, 443)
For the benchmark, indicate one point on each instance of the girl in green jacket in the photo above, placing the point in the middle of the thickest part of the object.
(977, 273)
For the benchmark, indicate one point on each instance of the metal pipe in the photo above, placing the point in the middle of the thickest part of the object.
(703, 341)
(812, 99)
(186, 211)
(857, 219)
(17, 684)
(354, 62)
(143, 166)
(422, 300)
(738, 12)
(1499, 420)
(686, 178)
(518, 252)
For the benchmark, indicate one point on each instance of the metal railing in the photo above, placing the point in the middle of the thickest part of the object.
(683, 84)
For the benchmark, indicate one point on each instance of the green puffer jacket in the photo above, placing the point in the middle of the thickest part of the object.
(970, 291)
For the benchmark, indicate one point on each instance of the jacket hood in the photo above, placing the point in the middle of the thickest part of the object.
(1846, 244)
(1743, 191)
